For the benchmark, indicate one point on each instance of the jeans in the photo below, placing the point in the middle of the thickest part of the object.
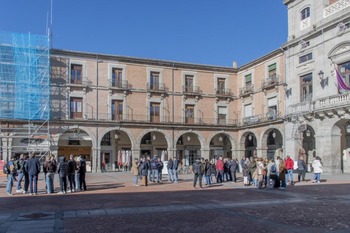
(220, 176)
(63, 184)
(19, 180)
(33, 183)
(9, 184)
(317, 177)
(170, 175)
(283, 184)
(77, 181)
(71, 178)
(301, 175)
(175, 175)
(233, 176)
(49, 182)
(196, 176)
(149, 174)
(289, 176)
(135, 180)
(155, 173)
(208, 180)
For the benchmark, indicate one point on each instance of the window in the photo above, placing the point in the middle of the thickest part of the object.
(344, 70)
(305, 58)
(306, 87)
(76, 108)
(272, 107)
(248, 80)
(305, 13)
(248, 110)
(189, 114)
(117, 76)
(76, 74)
(188, 83)
(155, 112)
(222, 112)
(106, 140)
(272, 71)
(221, 86)
(154, 81)
(117, 110)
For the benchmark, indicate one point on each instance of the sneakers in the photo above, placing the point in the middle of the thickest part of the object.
(19, 191)
(10, 194)
(60, 193)
(24, 192)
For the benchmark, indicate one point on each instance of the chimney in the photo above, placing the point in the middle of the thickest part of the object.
(234, 64)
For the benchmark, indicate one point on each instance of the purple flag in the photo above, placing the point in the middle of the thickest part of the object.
(341, 83)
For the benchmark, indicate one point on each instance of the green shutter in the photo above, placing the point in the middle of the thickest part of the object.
(272, 67)
(248, 78)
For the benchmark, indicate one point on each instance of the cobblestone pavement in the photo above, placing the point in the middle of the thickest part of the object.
(112, 204)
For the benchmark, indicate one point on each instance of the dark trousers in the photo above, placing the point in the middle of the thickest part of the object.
(71, 178)
(196, 176)
(63, 183)
(33, 183)
(82, 181)
(26, 182)
(301, 174)
(220, 177)
(233, 176)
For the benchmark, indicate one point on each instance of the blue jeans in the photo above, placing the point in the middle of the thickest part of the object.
(135, 180)
(149, 174)
(33, 183)
(77, 181)
(289, 176)
(175, 175)
(170, 175)
(9, 184)
(19, 180)
(208, 180)
(317, 177)
(49, 182)
(155, 173)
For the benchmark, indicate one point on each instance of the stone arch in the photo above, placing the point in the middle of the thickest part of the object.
(255, 143)
(275, 137)
(125, 130)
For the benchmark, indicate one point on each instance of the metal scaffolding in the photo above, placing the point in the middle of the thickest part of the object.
(24, 92)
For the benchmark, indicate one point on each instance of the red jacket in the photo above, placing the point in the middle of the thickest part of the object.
(289, 163)
(220, 165)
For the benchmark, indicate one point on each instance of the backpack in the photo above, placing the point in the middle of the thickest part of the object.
(273, 169)
(5, 169)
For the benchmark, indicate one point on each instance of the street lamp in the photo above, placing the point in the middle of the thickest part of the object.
(273, 134)
(308, 133)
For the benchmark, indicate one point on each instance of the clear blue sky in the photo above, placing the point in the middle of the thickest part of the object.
(213, 32)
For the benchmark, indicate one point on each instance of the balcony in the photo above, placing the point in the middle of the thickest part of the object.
(260, 119)
(83, 83)
(223, 92)
(246, 90)
(270, 82)
(156, 88)
(191, 90)
(120, 85)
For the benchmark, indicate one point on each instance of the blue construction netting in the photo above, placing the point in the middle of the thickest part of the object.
(24, 76)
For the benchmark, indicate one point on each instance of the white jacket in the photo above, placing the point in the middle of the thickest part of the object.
(317, 166)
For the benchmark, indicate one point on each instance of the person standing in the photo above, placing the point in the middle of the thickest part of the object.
(51, 167)
(207, 172)
(175, 167)
(62, 173)
(170, 170)
(148, 161)
(233, 169)
(11, 175)
(318, 169)
(135, 171)
(144, 172)
(160, 170)
(72, 167)
(301, 169)
(20, 172)
(198, 173)
(220, 169)
(81, 173)
(289, 163)
(33, 168)
(282, 174)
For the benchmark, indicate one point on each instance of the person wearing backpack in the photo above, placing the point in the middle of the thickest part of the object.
(271, 175)
(11, 175)
(198, 173)
(20, 172)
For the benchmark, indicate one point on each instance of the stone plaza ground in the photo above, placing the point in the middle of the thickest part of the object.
(112, 204)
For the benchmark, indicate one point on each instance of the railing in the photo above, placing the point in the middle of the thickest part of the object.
(258, 119)
(302, 107)
(123, 84)
(269, 82)
(332, 101)
(246, 90)
(335, 8)
(191, 90)
(224, 92)
(84, 81)
(156, 87)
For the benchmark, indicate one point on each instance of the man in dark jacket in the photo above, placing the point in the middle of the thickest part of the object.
(198, 173)
(154, 168)
(144, 171)
(51, 167)
(72, 166)
(33, 169)
(170, 170)
(11, 175)
(233, 169)
(62, 173)
(81, 173)
(175, 167)
(20, 172)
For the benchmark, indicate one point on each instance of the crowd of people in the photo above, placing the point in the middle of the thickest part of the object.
(26, 170)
